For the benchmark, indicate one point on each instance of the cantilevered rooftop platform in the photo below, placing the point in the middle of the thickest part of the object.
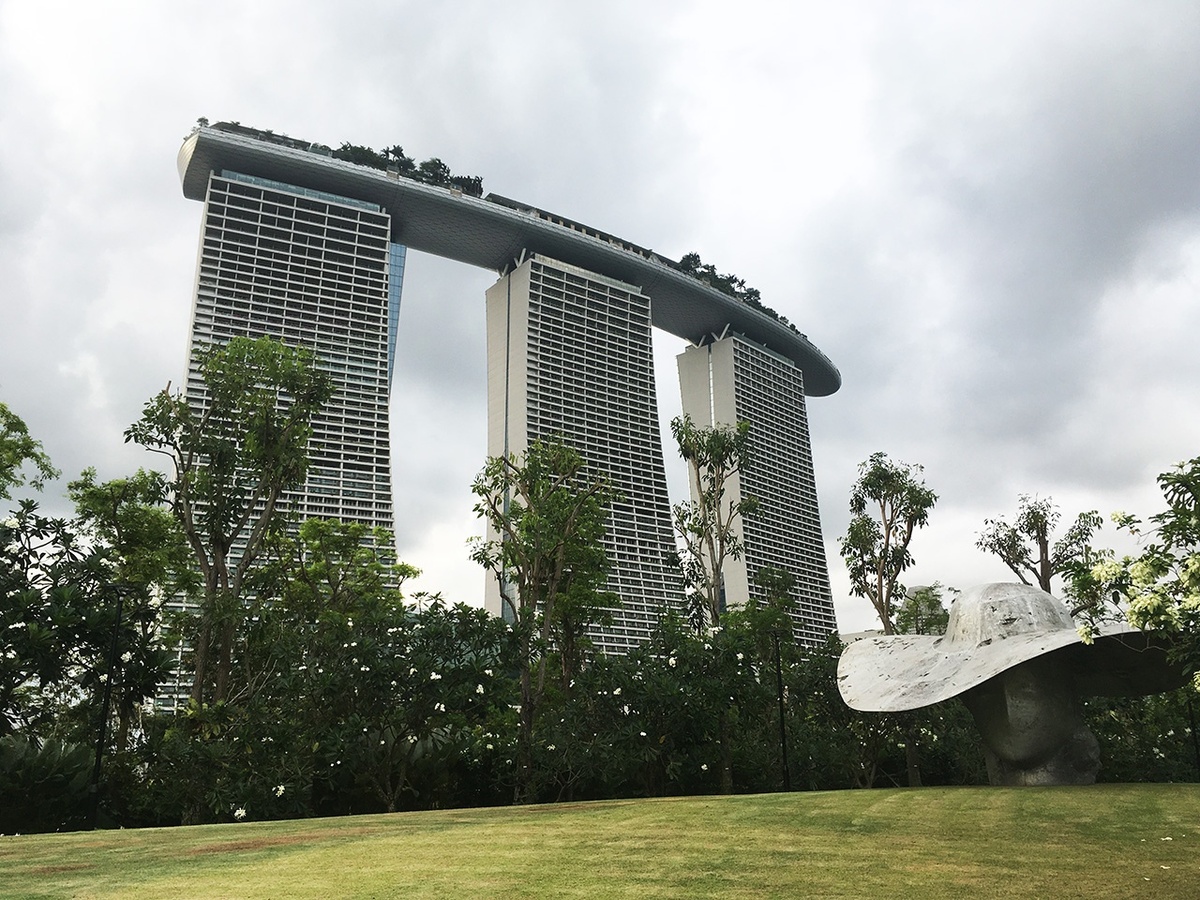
(494, 232)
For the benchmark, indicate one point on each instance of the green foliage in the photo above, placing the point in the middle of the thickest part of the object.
(888, 502)
(922, 611)
(351, 700)
(708, 524)
(42, 788)
(377, 689)
(549, 515)
(149, 558)
(1151, 738)
(431, 171)
(57, 618)
(730, 284)
(690, 264)
(1163, 581)
(232, 457)
(18, 451)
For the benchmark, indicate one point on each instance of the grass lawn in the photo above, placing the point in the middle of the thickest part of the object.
(1101, 841)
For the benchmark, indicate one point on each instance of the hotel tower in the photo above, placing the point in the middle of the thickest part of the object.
(310, 249)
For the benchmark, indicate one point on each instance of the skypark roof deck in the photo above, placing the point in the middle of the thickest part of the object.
(494, 232)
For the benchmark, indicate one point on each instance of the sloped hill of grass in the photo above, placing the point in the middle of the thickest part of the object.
(1101, 841)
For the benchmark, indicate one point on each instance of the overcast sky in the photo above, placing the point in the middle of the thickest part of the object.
(986, 214)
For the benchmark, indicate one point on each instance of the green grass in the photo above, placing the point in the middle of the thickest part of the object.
(1101, 841)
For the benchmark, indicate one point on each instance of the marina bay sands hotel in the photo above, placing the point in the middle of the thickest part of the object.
(310, 249)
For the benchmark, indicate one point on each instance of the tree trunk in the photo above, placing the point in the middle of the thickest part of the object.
(912, 757)
(522, 791)
(224, 663)
(200, 660)
(726, 742)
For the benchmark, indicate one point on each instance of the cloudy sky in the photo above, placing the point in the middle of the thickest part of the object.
(987, 215)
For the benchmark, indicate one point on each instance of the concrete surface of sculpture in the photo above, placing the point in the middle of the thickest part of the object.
(1012, 652)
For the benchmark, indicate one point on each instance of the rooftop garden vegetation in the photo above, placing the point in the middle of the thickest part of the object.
(730, 284)
(435, 172)
(390, 159)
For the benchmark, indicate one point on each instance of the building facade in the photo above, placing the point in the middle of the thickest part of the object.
(315, 270)
(569, 354)
(733, 379)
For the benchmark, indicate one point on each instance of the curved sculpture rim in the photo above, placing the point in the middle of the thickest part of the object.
(994, 628)
(493, 232)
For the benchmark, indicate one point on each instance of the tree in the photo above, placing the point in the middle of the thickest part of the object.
(708, 525)
(59, 622)
(149, 559)
(232, 456)
(922, 611)
(1163, 581)
(378, 688)
(875, 547)
(549, 517)
(1026, 548)
(19, 450)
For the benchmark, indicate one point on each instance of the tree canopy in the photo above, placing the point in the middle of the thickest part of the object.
(888, 503)
(708, 525)
(1027, 546)
(549, 516)
(233, 453)
(1163, 581)
(20, 452)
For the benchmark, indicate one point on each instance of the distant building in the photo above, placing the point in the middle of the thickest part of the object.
(733, 379)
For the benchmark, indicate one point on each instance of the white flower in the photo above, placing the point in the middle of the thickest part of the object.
(671, 662)
(479, 688)
(704, 767)
(412, 671)
(741, 657)
(439, 707)
(616, 692)
(489, 746)
(487, 672)
(642, 733)
(279, 789)
(434, 676)
(551, 747)
(239, 813)
(126, 656)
